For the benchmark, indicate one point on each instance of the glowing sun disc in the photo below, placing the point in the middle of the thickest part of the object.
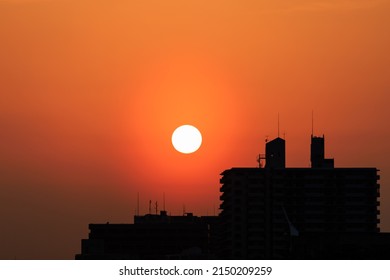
(186, 139)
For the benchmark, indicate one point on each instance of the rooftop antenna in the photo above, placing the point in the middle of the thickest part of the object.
(259, 159)
(164, 201)
(312, 123)
(278, 125)
(156, 207)
(137, 204)
(150, 207)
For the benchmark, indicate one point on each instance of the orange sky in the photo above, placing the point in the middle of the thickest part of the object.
(91, 91)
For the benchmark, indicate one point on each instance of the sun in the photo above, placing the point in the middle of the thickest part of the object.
(186, 139)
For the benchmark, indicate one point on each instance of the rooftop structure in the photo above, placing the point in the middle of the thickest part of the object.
(265, 209)
(152, 237)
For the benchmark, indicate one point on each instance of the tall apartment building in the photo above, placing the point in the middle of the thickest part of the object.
(268, 212)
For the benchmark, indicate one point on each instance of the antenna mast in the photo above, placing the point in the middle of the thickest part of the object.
(137, 203)
(260, 157)
(278, 125)
(312, 123)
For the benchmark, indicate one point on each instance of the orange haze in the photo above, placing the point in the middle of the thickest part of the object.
(91, 91)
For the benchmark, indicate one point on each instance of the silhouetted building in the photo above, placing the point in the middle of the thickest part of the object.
(265, 211)
(275, 153)
(341, 246)
(152, 237)
(274, 212)
(317, 155)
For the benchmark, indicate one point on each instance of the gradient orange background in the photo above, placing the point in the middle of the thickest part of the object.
(91, 91)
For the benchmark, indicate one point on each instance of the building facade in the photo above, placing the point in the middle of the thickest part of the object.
(152, 237)
(265, 211)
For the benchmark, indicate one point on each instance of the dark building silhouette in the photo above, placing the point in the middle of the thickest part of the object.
(275, 153)
(152, 237)
(317, 155)
(274, 212)
(341, 246)
(267, 212)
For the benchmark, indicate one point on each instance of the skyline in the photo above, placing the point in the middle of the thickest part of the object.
(90, 94)
(269, 212)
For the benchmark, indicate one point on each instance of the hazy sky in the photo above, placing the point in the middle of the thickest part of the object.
(91, 91)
